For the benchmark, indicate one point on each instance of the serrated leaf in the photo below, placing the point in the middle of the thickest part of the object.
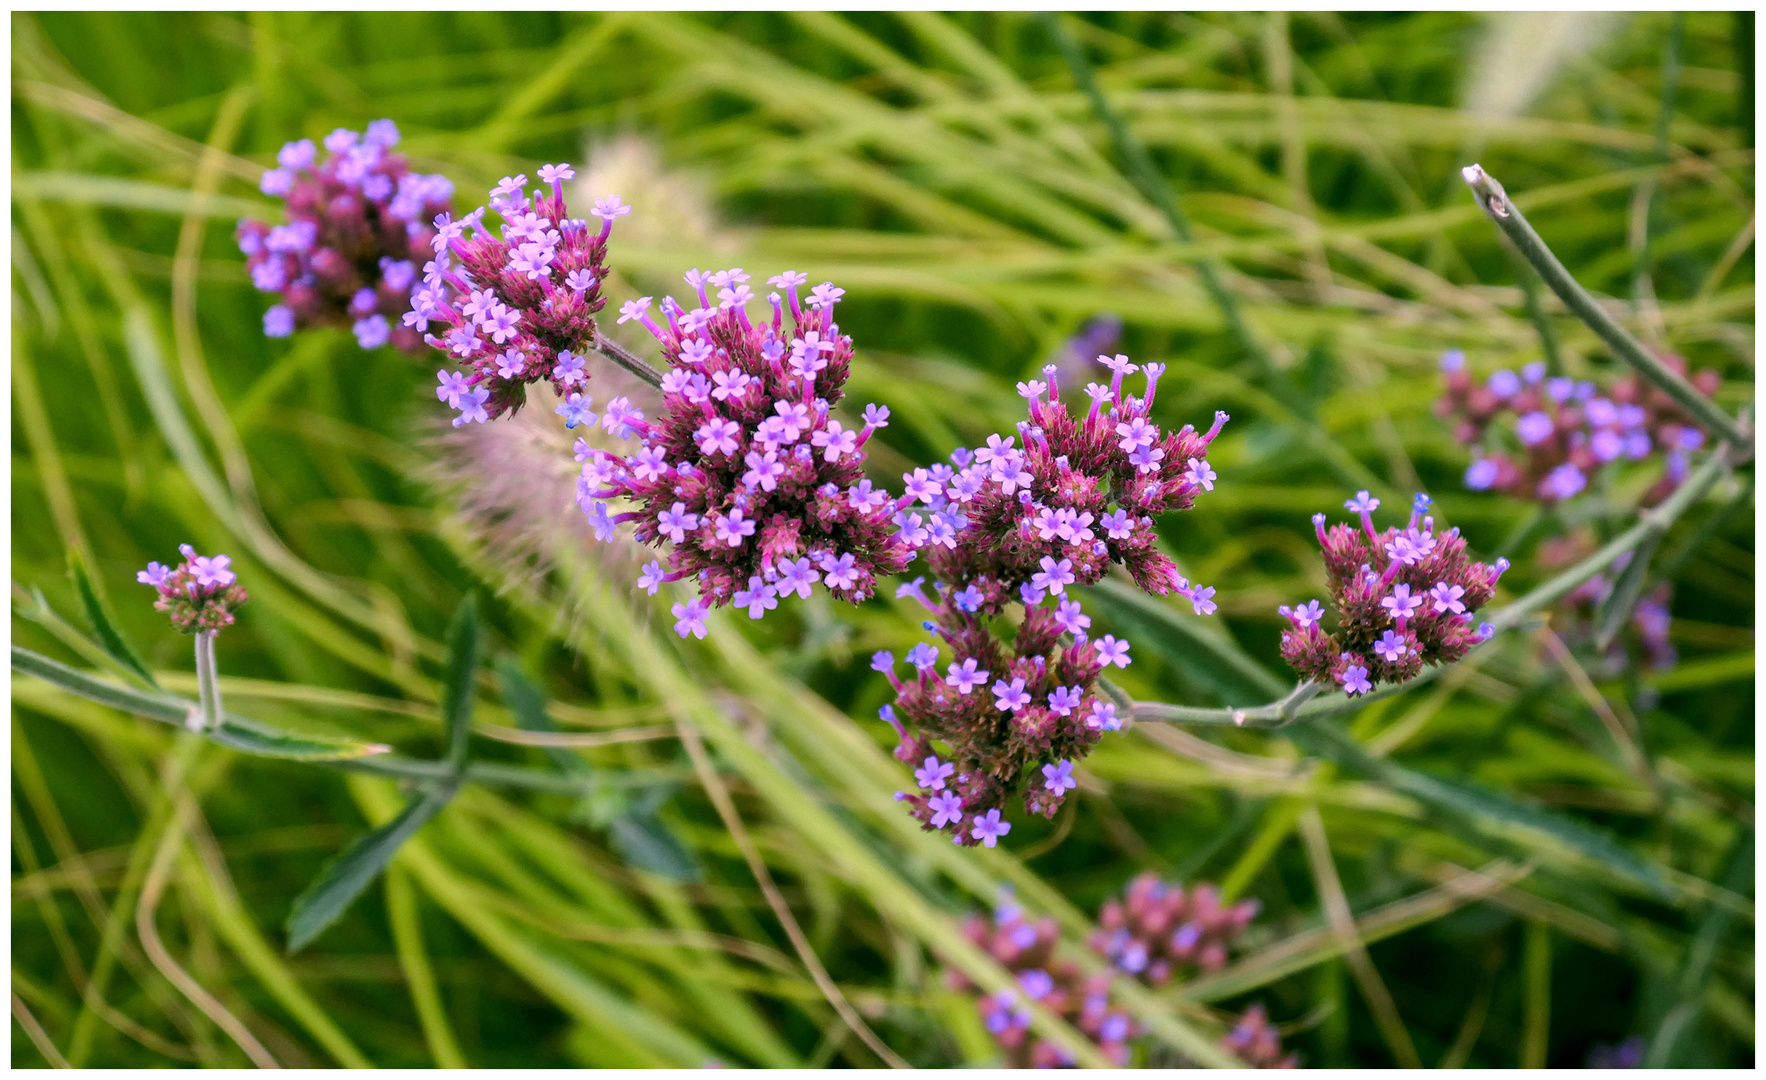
(281, 744)
(462, 666)
(349, 875)
(110, 638)
(646, 843)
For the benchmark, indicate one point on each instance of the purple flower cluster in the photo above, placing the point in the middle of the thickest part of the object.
(1022, 522)
(748, 474)
(1011, 718)
(1403, 598)
(1027, 949)
(1563, 431)
(200, 593)
(1153, 914)
(517, 304)
(1257, 1042)
(1158, 929)
(358, 228)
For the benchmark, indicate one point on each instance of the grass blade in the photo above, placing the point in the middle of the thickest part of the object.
(109, 636)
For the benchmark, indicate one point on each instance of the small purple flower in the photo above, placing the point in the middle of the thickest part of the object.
(947, 809)
(1103, 717)
(1363, 503)
(1505, 384)
(989, 829)
(1058, 778)
(966, 677)
(1563, 482)
(1481, 474)
(1446, 597)
(933, 774)
(717, 436)
(675, 522)
(1400, 604)
(923, 656)
(652, 577)
(1534, 428)
(1308, 614)
(453, 385)
(1112, 650)
(1071, 619)
(841, 572)
(797, 575)
(1010, 697)
(576, 410)
(154, 575)
(732, 528)
(279, 321)
(759, 598)
(691, 617)
(1355, 680)
(837, 440)
(471, 406)
(968, 598)
(1200, 475)
(1200, 600)
(1064, 699)
(1054, 577)
(1391, 647)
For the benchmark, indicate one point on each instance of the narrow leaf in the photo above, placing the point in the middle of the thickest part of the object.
(462, 666)
(528, 702)
(279, 744)
(349, 875)
(112, 640)
(1626, 591)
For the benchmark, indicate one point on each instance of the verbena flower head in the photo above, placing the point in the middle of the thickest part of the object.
(1005, 720)
(1257, 1042)
(748, 475)
(1402, 598)
(515, 304)
(1159, 929)
(1069, 493)
(200, 593)
(1027, 949)
(357, 236)
(1542, 438)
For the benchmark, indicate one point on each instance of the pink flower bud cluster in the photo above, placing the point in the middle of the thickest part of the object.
(515, 305)
(1403, 598)
(994, 720)
(1078, 493)
(1027, 949)
(748, 473)
(1158, 930)
(1556, 433)
(200, 593)
(358, 229)
(1153, 914)
(1257, 1042)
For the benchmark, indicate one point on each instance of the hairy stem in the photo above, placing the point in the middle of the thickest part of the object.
(630, 361)
(1624, 344)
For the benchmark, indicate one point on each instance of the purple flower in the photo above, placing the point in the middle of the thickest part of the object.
(1505, 384)
(1563, 482)
(883, 660)
(1391, 647)
(1200, 600)
(966, 677)
(797, 575)
(1481, 474)
(1363, 503)
(923, 656)
(1071, 619)
(1308, 614)
(989, 829)
(453, 386)
(841, 572)
(1400, 604)
(759, 598)
(732, 528)
(652, 577)
(1200, 475)
(154, 575)
(947, 809)
(1355, 680)
(1010, 697)
(675, 522)
(576, 410)
(471, 406)
(836, 439)
(933, 774)
(1054, 576)
(1112, 651)
(278, 321)
(1058, 778)
(1064, 699)
(717, 436)
(691, 617)
(1447, 598)
(1535, 428)
(1103, 717)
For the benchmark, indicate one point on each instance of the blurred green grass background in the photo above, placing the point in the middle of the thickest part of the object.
(945, 171)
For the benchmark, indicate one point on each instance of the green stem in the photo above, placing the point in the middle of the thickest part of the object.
(208, 682)
(1508, 217)
(1297, 706)
(630, 361)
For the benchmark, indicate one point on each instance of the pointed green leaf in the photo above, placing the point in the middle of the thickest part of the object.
(1626, 591)
(645, 842)
(115, 645)
(349, 875)
(462, 666)
(528, 702)
(255, 739)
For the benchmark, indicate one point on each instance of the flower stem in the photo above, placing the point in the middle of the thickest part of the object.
(631, 362)
(1297, 706)
(1622, 342)
(208, 685)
